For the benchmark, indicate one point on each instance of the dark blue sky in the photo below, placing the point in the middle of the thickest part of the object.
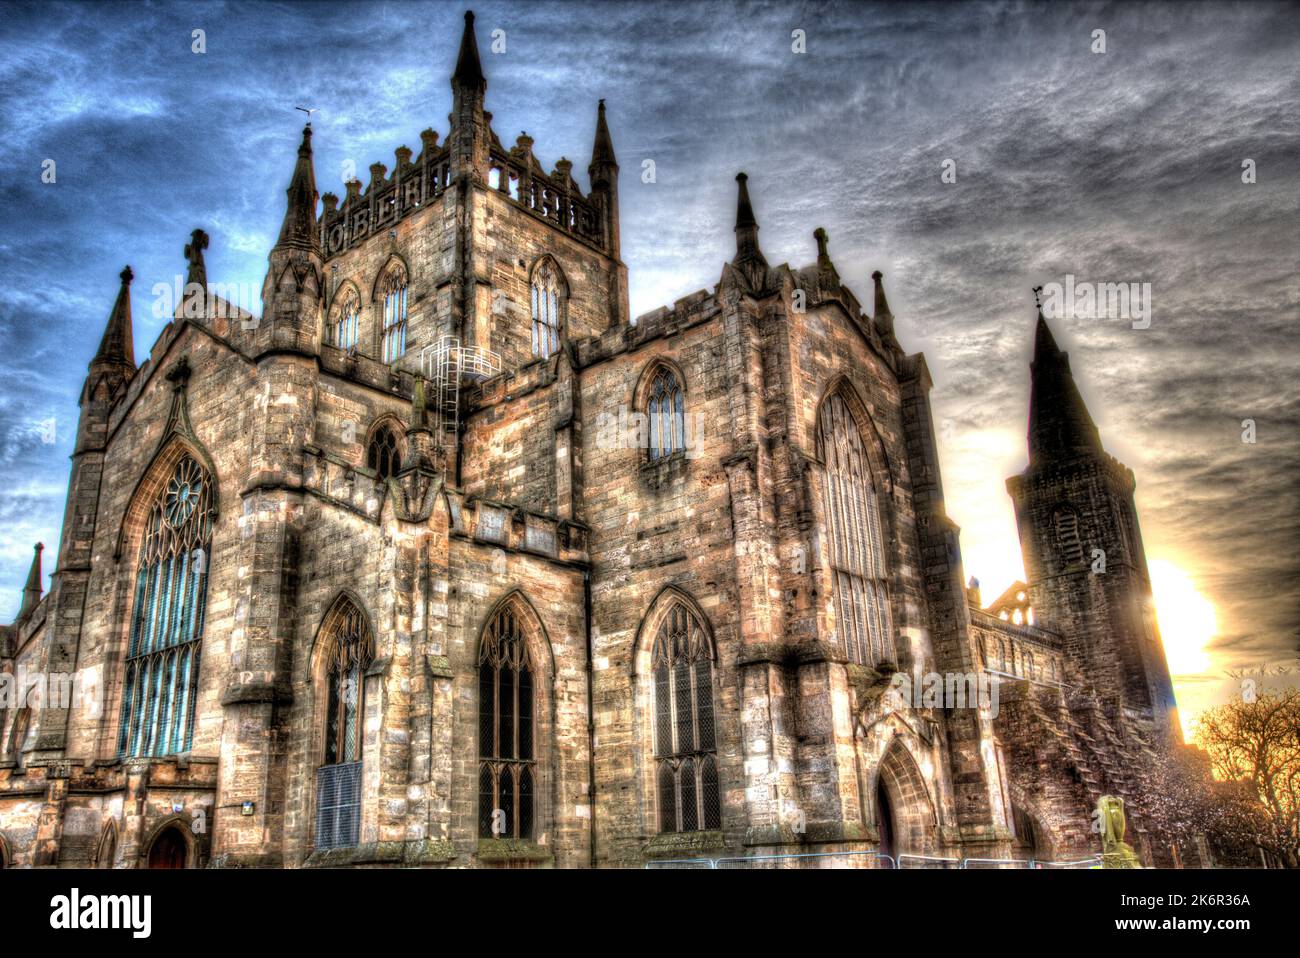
(1111, 167)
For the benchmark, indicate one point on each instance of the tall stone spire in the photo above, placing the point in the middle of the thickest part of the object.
(299, 229)
(882, 315)
(32, 592)
(882, 304)
(117, 348)
(749, 258)
(469, 71)
(602, 151)
(1059, 424)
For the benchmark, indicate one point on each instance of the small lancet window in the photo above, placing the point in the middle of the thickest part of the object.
(384, 453)
(345, 321)
(546, 311)
(666, 411)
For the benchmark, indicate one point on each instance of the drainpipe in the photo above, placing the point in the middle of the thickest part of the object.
(591, 715)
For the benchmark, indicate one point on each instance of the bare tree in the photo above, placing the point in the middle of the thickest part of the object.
(1258, 743)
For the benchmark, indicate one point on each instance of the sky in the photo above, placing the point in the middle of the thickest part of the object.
(1064, 161)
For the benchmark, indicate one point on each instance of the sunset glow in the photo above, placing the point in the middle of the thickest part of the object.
(1187, 619)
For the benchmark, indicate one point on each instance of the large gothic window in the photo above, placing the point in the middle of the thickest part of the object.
(546, 310)
(666, 411)
(162, 666)
(383, 452)
(855, 538)
(345, 321)
(393, 292)
(507, 767)
(348, 648)
(685, 746)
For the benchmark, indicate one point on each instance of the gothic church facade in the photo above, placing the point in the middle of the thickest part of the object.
(444, 561)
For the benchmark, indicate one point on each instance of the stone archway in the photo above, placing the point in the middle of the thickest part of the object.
(169, 849)
(904, 813)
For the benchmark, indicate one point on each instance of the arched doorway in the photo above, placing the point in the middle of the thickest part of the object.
(905, 817)
(1029, 837)
(169, 849)
(885, 821)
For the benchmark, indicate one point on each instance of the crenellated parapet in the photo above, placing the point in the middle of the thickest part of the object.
(387, 199)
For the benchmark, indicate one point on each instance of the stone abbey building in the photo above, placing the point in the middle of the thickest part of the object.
(444, 560)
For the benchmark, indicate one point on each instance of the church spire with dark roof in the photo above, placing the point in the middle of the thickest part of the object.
(749, 258)
(1059, 424)
(469, 71)
(299, 228)
(117, 348)
(602, 151)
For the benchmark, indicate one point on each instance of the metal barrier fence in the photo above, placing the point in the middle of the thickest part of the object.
(867, 860)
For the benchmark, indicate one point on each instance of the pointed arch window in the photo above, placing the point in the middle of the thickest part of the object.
(855, 537)
(393, 293)
(685, 741)
(384, 452)
(162, 666)
(349, 648)
(350, 651)
(345, 321)
(666, 412)
(546, 310)
(507, 765)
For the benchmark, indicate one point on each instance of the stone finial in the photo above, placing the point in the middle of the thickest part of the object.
(749, 258)
(403, 155)
(33, 591)
(117, 346)
(602, 151)
(469, 71)
(299, 227)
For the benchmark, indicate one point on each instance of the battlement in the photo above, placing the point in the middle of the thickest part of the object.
(554, 197)
(387, 199)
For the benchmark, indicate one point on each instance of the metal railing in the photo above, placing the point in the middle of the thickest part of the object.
(831, 860)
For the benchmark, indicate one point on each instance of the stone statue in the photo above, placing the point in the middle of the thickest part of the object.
(1115, 852)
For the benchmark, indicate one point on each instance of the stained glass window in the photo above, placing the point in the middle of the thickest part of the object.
(162, 665)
